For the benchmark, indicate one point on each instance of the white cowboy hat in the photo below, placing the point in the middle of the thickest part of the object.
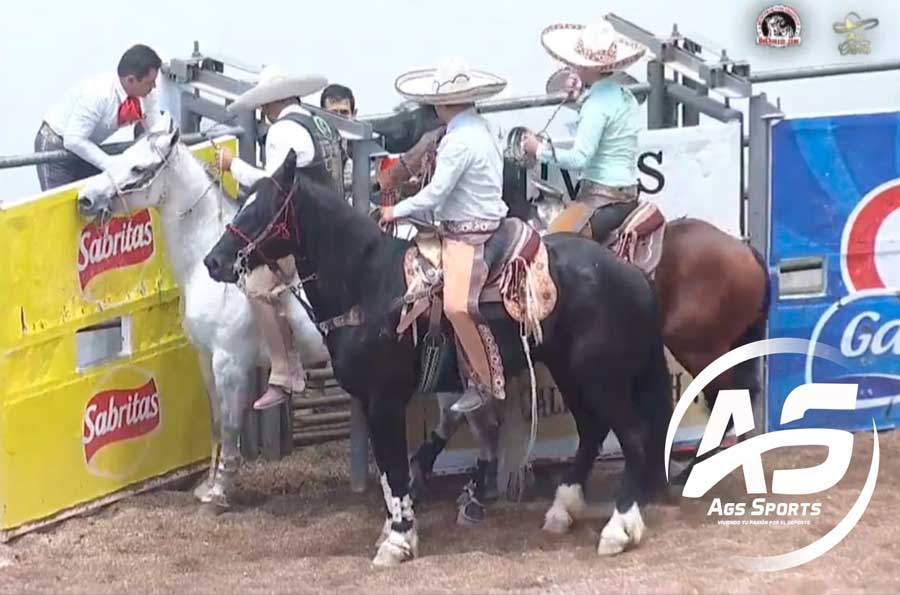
(275, 85)
(451, 82)
(596, 46)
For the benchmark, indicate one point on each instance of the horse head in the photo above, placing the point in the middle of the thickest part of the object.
(132, 180)
(403, 129)
(262, 231)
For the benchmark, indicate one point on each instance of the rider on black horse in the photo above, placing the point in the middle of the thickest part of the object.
(465, 196)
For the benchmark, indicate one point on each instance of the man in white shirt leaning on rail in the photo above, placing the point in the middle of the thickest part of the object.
(91, 112)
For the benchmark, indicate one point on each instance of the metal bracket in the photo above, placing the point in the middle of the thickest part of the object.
(717, 77)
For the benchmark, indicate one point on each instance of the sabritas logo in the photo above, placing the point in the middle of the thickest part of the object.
(123, 242)
(118, 415)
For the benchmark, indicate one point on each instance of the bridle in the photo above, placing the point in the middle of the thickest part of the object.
(283, 225)
(122, 192)
(166, 158)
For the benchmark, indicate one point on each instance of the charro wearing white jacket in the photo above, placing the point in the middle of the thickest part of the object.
(278, 97)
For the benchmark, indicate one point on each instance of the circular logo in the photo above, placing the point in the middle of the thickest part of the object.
(778, 26)
(324, 127)
(870, 258)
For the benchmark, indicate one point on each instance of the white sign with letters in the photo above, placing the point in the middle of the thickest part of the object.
(693, 172)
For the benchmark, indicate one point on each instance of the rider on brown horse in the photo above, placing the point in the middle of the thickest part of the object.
(465, 195)
(605, 149)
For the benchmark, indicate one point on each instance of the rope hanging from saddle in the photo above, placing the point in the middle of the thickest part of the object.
(518, 284)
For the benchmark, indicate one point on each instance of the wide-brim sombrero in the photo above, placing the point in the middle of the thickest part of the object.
(451, 83)
(275, 85)
(596, 47)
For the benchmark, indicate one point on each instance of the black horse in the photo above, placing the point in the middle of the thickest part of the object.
(602, 343)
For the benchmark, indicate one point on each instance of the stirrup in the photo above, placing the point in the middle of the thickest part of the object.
(435, 351)
(471, 400)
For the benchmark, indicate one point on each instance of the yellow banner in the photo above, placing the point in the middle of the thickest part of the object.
(72, 430)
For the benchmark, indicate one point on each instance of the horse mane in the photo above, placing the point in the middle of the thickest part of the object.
(353, 257)
(251, 190)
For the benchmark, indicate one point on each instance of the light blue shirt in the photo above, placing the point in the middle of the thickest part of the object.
(468, 176)
(606, 143)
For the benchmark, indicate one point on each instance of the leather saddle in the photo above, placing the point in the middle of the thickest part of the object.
(638, 239)
(518, 274)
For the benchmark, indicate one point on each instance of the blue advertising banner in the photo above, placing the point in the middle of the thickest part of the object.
(835, 262)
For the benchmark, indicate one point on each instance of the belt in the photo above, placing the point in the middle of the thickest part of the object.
(593, 192)
(471, 226)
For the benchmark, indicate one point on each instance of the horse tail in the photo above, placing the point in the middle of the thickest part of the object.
(746, 374)
(767, 295)
(652, 393)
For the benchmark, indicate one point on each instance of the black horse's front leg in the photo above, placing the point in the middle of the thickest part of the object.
(399, 539)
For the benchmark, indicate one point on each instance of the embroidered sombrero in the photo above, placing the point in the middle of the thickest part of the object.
(451, 82)
(596, 46)
(274, 85)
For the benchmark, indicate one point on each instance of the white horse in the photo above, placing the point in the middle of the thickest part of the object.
(158, 171)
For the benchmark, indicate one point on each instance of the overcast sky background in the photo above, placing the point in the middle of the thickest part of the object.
(47, 46)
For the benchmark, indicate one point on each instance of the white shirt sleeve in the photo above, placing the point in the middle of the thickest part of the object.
(83, 120)
(452, 160)
(282, 137)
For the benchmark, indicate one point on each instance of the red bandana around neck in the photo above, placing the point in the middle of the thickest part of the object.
(130, 111)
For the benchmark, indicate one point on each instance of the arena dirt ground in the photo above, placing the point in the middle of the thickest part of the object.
(299, 529)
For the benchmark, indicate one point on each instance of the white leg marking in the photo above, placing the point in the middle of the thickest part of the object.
(395, 547)
(568, 505)
(621, 531)
(385, 531)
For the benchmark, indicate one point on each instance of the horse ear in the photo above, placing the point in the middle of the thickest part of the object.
(289, 167)
(176, 136)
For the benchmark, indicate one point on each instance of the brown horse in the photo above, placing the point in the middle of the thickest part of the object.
(713, 289)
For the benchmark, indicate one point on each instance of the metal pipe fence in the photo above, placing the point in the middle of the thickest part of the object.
(11, 161)
(790, 74)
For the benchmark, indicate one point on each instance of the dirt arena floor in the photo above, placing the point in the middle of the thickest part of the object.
(299, 529)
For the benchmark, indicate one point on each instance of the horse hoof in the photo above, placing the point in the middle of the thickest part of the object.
(471, 514)
(611, 547)
(386, 558)
(396, 549)
(622, 530)
(201, 492)
(557, 521)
